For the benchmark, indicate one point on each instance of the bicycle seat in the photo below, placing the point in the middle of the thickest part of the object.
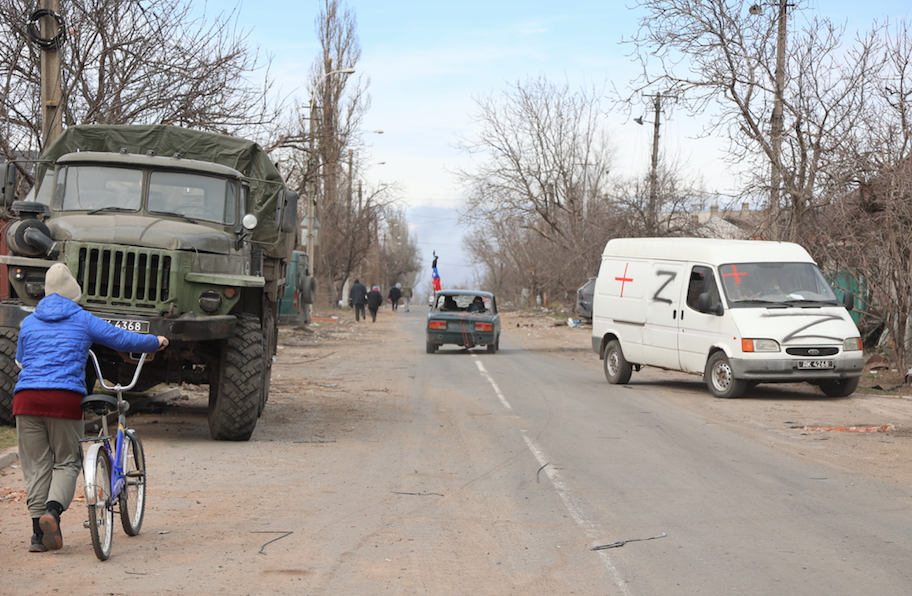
(97, 403)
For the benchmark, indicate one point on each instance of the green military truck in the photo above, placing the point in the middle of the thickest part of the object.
(169, 231)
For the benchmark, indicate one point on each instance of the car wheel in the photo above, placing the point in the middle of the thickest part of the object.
(431, 347)
(721, 379)
(839, 387)
(617, 369)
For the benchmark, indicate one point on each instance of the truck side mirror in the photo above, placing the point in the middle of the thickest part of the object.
(705, 305)
(848, 300)
(7, 184)
(289, 216)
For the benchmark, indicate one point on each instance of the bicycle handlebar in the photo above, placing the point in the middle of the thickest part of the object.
(117, 386)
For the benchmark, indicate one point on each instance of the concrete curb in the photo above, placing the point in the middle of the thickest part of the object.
(8, 459)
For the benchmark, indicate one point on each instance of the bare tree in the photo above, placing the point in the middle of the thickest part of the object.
(543, 167)
(398, 249)
(796, 120)
(867, 241)
(347, 230)
(129, 62)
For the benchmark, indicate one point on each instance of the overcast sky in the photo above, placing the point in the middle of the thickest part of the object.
(427, 61)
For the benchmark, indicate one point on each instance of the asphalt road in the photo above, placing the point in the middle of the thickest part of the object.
(379, 469)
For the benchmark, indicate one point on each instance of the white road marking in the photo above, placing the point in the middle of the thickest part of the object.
(500, 395)
(592, 530)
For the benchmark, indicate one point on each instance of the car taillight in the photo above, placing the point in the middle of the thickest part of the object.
(484, 327)
(437, 325)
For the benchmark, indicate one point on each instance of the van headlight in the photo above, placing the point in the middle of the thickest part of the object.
(852, 344)
(759, 345)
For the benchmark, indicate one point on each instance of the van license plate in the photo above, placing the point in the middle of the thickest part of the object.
(816, 364)
(129, 325)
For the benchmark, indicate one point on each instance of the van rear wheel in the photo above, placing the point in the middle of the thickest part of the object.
(721, 379)
(617, 369)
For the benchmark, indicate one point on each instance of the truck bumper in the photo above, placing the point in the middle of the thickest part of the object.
(187, 327)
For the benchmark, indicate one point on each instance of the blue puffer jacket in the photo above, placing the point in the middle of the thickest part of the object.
(54, 344)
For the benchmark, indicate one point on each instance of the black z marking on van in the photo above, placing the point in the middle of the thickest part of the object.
(820, 319)
(671, 275)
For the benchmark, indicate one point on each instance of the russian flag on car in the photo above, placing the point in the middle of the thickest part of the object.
(435, 277)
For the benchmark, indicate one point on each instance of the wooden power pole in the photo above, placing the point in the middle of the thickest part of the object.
(51, 88)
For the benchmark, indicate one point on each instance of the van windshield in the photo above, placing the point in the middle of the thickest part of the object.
(784, 284)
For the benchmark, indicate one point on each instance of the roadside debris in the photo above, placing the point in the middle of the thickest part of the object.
(848, 429)
(284, 534)
(623, 542)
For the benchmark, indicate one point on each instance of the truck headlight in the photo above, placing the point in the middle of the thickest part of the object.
(210, 302)
(759, 345)
(852, 344)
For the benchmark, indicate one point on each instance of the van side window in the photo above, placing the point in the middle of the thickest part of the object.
(701, 280)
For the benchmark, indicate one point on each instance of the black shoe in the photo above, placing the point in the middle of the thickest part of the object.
(50, 525)
(37, 546)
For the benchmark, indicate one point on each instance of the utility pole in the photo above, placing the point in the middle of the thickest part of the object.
(776, 125)
(51, 87)
(652, 205)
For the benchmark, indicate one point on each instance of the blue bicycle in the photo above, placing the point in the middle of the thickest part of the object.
(114, 474)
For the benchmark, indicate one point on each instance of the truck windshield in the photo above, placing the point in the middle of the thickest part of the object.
(193, 195)
(786, 284)
(186, 194)
(100, 187)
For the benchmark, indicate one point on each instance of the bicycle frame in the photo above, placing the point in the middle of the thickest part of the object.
(118, 455)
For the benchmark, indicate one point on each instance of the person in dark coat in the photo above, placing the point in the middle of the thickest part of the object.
(374, 301)
(394, 295)
(53, 347)
(357, 297)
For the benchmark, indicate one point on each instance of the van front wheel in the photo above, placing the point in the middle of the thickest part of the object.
(721, 380)
(617, 369)
(839, 387)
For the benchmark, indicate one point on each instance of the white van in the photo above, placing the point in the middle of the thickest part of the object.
(740, 312)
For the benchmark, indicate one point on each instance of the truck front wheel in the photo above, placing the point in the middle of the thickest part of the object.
(236, 383)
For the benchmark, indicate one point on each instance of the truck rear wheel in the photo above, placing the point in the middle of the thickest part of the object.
(9, 372)
(236, 383)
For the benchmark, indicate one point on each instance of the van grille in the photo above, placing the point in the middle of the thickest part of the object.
(830, 351)
(124, 277)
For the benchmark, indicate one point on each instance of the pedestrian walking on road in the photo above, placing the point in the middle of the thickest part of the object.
(406, 296)
(53, 347)
(357, 297)
(394, 295)
(374, 302)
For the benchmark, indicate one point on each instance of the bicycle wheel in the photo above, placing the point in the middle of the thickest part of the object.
(133, 495)
(101, 512)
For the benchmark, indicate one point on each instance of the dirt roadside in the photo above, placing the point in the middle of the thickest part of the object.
(341, 410)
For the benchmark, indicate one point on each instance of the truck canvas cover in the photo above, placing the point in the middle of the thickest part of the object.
(245, 156)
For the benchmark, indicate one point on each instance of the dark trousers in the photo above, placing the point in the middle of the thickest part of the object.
(359, 312)
(373, 314)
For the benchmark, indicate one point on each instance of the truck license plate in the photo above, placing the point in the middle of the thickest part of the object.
(129, 325)
(816, 364)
